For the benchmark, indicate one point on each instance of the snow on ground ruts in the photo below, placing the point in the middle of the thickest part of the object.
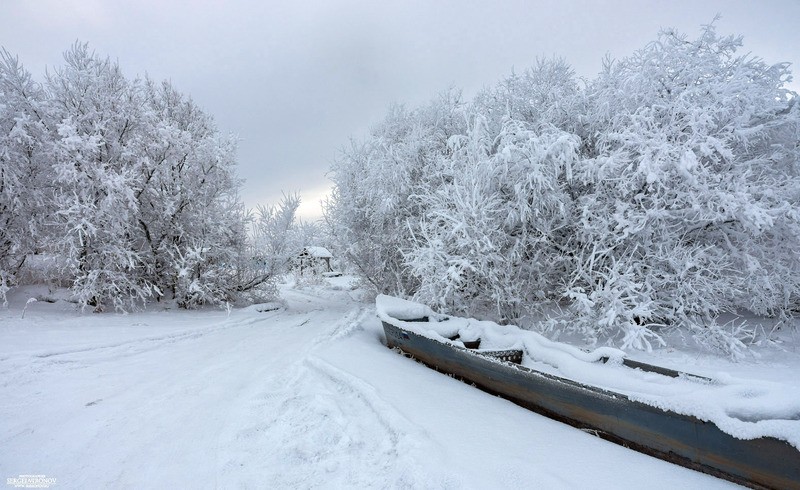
(302, 397)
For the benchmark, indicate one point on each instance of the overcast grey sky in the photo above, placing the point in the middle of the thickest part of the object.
(294, 80)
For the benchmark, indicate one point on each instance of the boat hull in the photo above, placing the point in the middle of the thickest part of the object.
(680, 439)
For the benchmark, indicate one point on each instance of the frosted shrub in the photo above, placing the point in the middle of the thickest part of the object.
(486, 239)
(128, 182)
(371, 213)
(273, 246)
(653, 198)
(691, 177)
(24, 179)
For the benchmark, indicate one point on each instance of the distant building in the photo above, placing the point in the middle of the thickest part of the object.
(315, 259)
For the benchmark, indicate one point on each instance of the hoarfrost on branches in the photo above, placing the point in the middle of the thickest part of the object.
(274, 245)
(127, 182)
(653, 198)
(23, 160)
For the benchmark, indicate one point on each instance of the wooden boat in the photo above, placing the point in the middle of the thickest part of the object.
(685, 440)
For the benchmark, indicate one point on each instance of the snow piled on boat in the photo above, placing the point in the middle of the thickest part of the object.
(440, 327)
(743, 408)
(401, 309)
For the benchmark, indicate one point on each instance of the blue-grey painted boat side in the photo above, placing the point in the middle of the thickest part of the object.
(684, 440)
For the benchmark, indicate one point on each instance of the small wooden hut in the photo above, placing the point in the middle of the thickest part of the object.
(315, 259)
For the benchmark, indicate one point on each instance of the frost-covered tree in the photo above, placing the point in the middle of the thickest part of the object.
(371, 212)
(273, 246)
(128, 182)
(23, 167)
(493, 232)
(654, 197)
(95, 152)
(191, 223)
(490, 239)
(547, 93)
(690, 198)
(310, 233)
(447, 195)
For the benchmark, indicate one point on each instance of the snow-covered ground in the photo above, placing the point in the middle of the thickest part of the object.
(306, 396)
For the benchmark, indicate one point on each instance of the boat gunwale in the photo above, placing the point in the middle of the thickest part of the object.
(745, 476)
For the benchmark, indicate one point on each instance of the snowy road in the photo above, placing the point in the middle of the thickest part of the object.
(304, 397)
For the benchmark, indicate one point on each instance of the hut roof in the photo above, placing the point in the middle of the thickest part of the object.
(318, 252)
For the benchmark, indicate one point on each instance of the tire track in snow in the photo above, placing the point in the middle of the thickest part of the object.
(322, 427)
(348, 325)
(126, 348)
(401, 431)
(158, 340)
(74, 358)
